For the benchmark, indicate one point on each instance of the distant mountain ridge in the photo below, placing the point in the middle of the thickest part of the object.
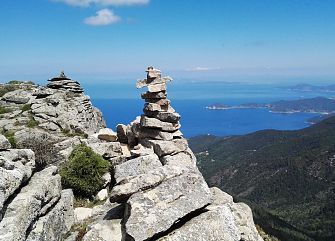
(320, 105)
(288, 177)
(308, 87)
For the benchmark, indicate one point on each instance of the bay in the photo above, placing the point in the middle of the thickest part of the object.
(190, 100)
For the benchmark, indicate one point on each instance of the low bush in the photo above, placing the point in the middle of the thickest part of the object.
(26, 107)
(10, 137)
(45, 151)
(7, 88)
(83, 172)
(4, 110)
(16, 82)
(32, 122)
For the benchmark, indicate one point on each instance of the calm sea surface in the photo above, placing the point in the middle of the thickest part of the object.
(190, 100)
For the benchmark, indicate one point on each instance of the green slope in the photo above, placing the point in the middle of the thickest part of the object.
(288, 177)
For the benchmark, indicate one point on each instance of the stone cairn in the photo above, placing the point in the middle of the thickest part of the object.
(159, 121)
(164, 196)
(64, 83)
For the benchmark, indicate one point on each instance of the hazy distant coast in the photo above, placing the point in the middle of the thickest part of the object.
(319, 105)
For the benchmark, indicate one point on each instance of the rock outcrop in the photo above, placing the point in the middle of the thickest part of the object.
(32, 204)
(164, 195)
(59, 115)
(155, 189)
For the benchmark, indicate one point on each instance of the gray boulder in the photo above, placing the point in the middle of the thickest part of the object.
(136, 166)
(19, 96)
(245, 223)
(172, 117)
(157, 95)
(155, 123)
(107, 224)
(4, 143)
(107, 134)
(134, 184)
(156, 107)
(16, 167)
(161, 207)
(163, 148)
(122, 133)
(241, 212)
(107, 149)
(215, 224)
(34, 200)
(57, 222)
(184, 158)
(157, 87)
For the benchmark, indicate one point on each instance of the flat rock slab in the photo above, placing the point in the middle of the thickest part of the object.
(184, 158)
(16, 167)
(156, 107)
(152, 133)
(163, 148)
(156, 87)
(55, 223)
(156, 210)
(214, 225)
(152, 81)
(162, 125)
(131, 185)
(136, 166)
(158, 101)
(34, 200)
(172, 117)
(107, 134)
(157, 95)
(107, 149)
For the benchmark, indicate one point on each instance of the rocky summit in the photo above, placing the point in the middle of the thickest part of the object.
(154, 190)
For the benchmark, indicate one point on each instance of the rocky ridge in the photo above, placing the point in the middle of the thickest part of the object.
(155, 189)
(33, 205)
(160, 191)
(59, 114)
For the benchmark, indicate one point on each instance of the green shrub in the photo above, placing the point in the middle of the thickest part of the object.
(32, 122)
(4, 110)
(7, 88)
(26, 107)
(83, 172)
(16, 82)
(10, 137)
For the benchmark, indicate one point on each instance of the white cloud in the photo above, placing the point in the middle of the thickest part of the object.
(103, 17)
(204, 69)
(87, 3)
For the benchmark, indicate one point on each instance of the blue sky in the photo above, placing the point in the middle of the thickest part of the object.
(110, 40)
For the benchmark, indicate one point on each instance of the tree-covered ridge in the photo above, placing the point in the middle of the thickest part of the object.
(289, 175)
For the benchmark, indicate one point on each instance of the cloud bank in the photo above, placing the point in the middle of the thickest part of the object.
(102, 17)
(87, 3)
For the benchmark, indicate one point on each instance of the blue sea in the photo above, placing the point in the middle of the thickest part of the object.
(191, 98)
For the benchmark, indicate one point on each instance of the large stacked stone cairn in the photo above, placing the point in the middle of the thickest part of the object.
(165, 195)
(65, 83)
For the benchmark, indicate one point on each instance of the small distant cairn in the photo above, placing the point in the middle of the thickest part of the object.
(64, 83)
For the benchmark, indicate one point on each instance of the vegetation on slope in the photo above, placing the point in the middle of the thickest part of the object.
(288, 177)
(83, 172)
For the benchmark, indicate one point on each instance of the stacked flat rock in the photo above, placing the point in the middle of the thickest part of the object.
(160, 121)
(65, 83)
